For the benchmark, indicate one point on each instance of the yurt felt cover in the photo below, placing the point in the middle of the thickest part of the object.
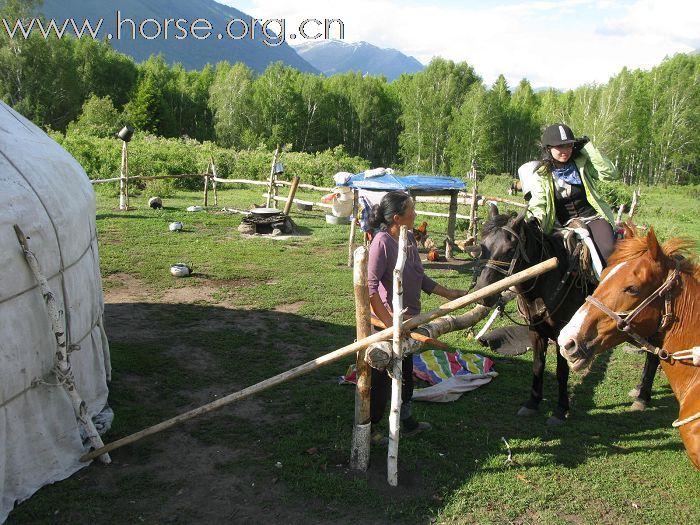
(47, 193)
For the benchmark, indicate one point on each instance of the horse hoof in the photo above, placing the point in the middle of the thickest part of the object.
(555, 421)
(639, 405)
(634, 392)
(527, 412)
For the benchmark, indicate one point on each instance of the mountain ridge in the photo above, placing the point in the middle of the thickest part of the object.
(332, 57)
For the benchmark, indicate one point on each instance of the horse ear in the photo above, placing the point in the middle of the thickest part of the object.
(519, 219)
(493, 210)
(653, 246)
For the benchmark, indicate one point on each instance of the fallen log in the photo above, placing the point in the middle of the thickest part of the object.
(331, 357)
(416, 336)
(451, 323)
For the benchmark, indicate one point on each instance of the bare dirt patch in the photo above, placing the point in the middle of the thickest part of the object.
(291, 308)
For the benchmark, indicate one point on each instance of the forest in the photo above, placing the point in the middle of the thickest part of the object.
(437, 121)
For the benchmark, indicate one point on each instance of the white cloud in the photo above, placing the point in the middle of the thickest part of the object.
(562, 43)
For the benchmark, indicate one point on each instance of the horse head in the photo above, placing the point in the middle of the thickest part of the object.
(502, 249)
(636, 270)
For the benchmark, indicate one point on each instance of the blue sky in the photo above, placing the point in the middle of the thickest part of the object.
(558, 43)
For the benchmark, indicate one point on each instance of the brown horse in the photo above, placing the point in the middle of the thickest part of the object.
(651, 295)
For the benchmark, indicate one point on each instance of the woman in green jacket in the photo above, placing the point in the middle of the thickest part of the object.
(561, 186)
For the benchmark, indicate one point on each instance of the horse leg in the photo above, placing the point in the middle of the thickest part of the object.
(643, 389)
(539, 345)
(562, 408)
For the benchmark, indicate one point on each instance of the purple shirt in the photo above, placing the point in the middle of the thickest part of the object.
(383, 253)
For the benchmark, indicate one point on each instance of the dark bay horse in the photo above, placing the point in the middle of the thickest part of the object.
(651, 296)
(511, 244)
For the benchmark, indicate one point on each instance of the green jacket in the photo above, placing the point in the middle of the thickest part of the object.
(539, 183)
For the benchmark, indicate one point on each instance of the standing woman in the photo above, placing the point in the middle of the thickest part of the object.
(396, 209)
(562, 186)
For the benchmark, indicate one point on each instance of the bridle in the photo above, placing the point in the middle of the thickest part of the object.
(519, 252)
(624, 322)
(624, 319)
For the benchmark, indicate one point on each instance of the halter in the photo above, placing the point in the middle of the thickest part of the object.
(624, 319)
(519, 252)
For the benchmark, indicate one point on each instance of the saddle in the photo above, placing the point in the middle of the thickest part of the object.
(580, 253)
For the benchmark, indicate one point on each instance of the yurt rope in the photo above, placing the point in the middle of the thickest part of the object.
(60, 272)
(62, 368)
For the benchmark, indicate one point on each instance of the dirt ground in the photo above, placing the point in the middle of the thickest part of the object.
(193, 486)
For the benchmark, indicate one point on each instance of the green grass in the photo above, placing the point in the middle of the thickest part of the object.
(606, 465)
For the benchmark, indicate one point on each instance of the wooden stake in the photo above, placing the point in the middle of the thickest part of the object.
(451, 224)
(359, 454)
(353, 226)
(214, 177)
(472, 213)
(620, 211)
(272, 190)
(206, 186)
(635, 201)
(292, 192)
(392, 460)
(124, 180)
(332, 357)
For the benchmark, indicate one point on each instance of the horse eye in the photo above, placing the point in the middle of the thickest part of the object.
(631, 290)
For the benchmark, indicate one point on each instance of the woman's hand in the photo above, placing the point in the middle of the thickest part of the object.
(449, 293)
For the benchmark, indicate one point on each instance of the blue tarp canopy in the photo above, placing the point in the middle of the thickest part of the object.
(427, 183)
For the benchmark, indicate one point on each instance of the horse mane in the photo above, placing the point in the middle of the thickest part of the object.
(633, 247)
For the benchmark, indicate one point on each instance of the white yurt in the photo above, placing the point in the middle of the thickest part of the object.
(45, 192)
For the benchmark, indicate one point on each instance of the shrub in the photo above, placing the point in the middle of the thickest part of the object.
(150, 156)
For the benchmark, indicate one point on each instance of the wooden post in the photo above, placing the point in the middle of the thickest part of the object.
(272, 190)
(620, 211)
(292, 192)
(472, 213)
(214, 177)
(392, 462)
(635, 201)
(332, 357)
(451, 225)
(124, 179)
(359, 454)
(206, 186)
(353, 226)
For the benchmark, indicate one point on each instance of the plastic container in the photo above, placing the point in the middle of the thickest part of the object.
(332, 219)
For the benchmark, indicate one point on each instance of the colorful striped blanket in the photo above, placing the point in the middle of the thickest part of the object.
(449, 374)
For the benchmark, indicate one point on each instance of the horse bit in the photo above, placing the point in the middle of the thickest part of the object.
(624, 324)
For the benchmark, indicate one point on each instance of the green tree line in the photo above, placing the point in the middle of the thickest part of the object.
(437, 121)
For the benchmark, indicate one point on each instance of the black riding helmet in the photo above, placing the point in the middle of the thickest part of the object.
(558, 135)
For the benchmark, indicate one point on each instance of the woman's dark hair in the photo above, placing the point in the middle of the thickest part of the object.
(393, 203)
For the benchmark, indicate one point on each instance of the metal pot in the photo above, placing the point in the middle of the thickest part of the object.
(265, 212)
